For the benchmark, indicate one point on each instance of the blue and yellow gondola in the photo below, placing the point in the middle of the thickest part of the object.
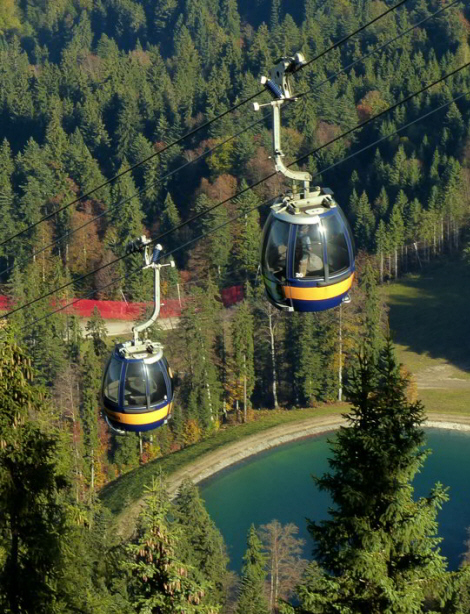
(307, 256)
(137, 390)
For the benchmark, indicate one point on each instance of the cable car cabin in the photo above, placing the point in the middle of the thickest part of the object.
(137, 389)
(307, 255)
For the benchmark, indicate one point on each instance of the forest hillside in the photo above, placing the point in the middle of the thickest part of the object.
(91, 91)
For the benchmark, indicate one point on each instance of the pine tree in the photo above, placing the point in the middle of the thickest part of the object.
(243, 352)
(126, 451)
(159, 582)
(32, 517)
(7, 228)
(9, 17)
(382, 247)
(252, 599)
(396, 230)
(304, 360)
(169, 219)
(202, 545)
(89, 411)
(230, 18)
(381, 203)
(365, 222)
(200, 332)
(378, 550)
(373, 338)
(247, 240)
(96, 329)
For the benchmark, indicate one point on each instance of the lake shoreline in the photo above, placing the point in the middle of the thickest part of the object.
(214, 462)
(218, 460)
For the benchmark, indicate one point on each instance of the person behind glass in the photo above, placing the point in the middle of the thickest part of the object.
(310, 262)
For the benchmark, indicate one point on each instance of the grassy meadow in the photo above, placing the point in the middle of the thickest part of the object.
(430, 325)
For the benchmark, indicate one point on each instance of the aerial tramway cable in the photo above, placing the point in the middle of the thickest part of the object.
(248, 188)
(203, 235)
(195, 131)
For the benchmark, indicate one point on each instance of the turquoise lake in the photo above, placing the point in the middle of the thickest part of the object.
(277, 484)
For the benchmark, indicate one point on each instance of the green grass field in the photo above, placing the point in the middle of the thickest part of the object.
(430, 325)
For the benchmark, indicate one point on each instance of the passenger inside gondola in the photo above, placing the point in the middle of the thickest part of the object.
(135, 388)
(309, 252)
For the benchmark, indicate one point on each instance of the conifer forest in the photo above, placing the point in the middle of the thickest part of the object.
(124, 118)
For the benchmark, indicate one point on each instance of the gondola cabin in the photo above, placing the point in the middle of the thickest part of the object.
(307, 257)
(137, 389)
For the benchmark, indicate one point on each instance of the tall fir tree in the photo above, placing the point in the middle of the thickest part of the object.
(243, 353)
(202, 545)
(159, 581)
(251, 599)
(32, 512)
(378, 550)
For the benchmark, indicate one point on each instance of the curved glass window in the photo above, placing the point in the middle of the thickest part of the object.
(336, 245)
(111, 382)
(275, 249)
(308, 260)
(157, 384)
(135, 385)
(348, 229)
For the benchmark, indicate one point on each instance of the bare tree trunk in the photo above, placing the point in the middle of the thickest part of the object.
(340, 368)
(417, 254)
(381, 267)
(271, 592)
(76, 451)
(92, 485)
(208, 388)
(273, 358)
(244, 389)
(396, 262)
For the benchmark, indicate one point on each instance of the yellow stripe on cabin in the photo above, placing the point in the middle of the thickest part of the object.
(319, 293)
(138, 419)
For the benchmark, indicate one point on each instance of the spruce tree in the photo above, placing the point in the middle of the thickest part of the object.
(202, 545)
(169, 219)
(159, 582)
(243, 352)
(252, 599)
(378, 550)
(373, 338)
(32, 516)
(89, 411)
(7, 225)
(246, 245)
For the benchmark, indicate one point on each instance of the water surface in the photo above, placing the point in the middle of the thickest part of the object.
(277, 484)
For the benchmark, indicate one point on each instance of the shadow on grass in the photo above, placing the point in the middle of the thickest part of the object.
(429, 314)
